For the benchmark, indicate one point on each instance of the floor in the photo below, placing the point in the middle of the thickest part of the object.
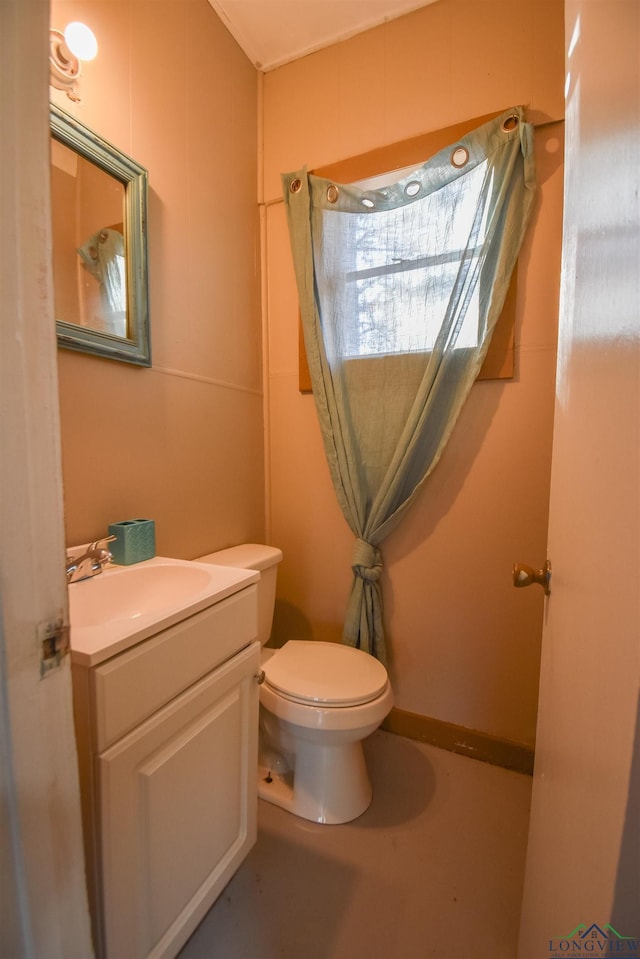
(434, 867)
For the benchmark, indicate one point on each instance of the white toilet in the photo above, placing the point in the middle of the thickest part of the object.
(318, 702)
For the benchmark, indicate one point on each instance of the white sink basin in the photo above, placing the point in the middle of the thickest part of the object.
(131, 592)
(126, 604)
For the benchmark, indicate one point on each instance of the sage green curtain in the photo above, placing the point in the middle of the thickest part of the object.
(400, 288)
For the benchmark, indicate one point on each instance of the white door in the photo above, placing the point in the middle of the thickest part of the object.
(583, 866)
(43, 901)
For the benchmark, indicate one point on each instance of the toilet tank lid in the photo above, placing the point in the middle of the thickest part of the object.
(245, 556)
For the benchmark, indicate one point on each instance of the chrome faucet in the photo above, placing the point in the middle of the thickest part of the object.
(89, 563)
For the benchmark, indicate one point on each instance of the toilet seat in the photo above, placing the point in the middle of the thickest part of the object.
(324, 674)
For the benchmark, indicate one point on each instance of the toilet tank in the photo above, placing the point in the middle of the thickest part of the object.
(254, 556)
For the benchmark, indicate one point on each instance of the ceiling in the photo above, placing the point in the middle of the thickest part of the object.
(273, 32)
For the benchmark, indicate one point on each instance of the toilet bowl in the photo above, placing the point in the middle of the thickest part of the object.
(318, 701)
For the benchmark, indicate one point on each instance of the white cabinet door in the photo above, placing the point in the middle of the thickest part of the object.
(178, 811)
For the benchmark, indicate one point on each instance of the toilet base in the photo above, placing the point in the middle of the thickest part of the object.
(329, 784)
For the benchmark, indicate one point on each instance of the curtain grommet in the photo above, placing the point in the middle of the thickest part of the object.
(459, 157)
(412, 188)
(511, 122)
(333, 193)
(296, 185)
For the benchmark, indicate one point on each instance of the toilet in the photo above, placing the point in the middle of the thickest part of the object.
(318, 701)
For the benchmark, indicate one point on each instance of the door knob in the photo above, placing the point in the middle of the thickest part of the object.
(525, 576)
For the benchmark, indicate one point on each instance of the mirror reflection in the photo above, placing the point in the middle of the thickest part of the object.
(98, 202)
(88, 244)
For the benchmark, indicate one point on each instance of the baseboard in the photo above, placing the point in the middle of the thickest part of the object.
(459, 739)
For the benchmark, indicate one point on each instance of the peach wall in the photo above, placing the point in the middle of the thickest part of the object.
(464, 644)
(181, 443)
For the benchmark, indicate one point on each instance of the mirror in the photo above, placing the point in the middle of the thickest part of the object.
(99, 219)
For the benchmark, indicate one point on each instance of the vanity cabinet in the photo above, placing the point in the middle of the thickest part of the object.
(167, 740)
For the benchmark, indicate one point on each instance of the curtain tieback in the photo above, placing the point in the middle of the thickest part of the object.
(366, 561)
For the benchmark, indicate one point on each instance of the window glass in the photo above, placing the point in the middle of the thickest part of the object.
(401, 268)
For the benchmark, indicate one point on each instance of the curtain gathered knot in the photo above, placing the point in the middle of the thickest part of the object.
(366, 561)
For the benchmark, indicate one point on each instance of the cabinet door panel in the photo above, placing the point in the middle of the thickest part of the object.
(178, 811)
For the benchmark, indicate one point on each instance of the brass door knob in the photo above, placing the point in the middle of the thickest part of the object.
(524, 576)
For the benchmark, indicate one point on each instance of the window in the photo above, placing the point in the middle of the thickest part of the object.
(375, 281)
(390, 262)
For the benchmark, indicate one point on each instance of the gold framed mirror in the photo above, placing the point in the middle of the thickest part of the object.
(99, 235)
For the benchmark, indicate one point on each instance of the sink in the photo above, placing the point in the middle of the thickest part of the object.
(131, 592)
(126, 604)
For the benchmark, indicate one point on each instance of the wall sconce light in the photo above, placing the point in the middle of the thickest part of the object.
(66, 50)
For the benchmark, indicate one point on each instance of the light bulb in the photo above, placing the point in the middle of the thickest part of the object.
(80, 40)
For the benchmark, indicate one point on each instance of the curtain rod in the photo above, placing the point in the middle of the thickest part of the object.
(545, 123)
